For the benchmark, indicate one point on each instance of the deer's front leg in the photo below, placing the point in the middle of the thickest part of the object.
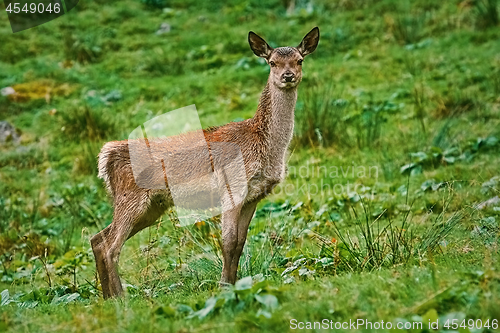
(235, 224)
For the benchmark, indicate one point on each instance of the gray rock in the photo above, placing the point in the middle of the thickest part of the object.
(8, 133)
(164, 28)
(489, 202)
(7, 91)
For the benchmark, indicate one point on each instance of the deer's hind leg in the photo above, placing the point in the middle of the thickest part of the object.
(132, 213)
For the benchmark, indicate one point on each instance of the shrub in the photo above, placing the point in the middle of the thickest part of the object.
(83, 49)
(82, 122)
(408, 28)
(367, 120)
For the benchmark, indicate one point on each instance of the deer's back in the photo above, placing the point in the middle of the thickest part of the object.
(189, 159)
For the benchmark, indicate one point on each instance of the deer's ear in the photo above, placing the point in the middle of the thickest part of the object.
(309, 43)
(259, 46)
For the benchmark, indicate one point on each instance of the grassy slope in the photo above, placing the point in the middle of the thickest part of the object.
(48, 191)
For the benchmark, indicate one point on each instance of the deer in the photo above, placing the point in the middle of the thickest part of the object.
(263, 141)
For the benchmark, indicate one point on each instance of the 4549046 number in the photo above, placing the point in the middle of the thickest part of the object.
(33, 8)
(455, 324)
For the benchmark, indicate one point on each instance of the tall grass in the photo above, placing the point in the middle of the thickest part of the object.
(367, 119)
(84, 123)
(324, 119)
(376, 244)
(319, 117)
(486, 13)
(409, 28)
(456, 103)
(82, 48)
(281, 245)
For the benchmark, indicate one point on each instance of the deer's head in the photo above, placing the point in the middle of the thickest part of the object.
(285, 62)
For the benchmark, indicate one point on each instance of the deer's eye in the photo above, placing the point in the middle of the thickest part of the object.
(300, 62)
(272, 63)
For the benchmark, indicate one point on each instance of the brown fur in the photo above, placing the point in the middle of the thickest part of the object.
(263, 141)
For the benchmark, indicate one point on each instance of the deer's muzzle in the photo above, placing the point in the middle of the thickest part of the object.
(288, 77)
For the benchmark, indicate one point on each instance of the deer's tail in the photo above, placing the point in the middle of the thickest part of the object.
(113, 162)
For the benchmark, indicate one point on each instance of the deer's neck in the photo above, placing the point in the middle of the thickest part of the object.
(275, 118)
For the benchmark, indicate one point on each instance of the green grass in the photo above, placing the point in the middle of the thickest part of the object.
(396, 142)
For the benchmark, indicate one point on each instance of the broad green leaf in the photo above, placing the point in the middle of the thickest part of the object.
(427, 185)
(491, 141)
(326, 261)
(419, 156)
(264, 313)
(209, 306)
(269, 301)
(288, 270)
(449, 159)
(258, 277)
(305, 271)
(431, 315)
(314, 224)
(165, 311)
(184, 309)
(259, 286)
(297, 206)
(407, 168)
(27, 304)
(65, 298)
(243, 284)
(5, 297)
(416, 170)
(323, 209)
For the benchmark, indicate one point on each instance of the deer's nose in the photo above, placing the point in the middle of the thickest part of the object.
(288, 76)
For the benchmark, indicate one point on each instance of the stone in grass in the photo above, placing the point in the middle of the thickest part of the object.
(7, 91)
(9, 134)
(164, 28)
(490, 202)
